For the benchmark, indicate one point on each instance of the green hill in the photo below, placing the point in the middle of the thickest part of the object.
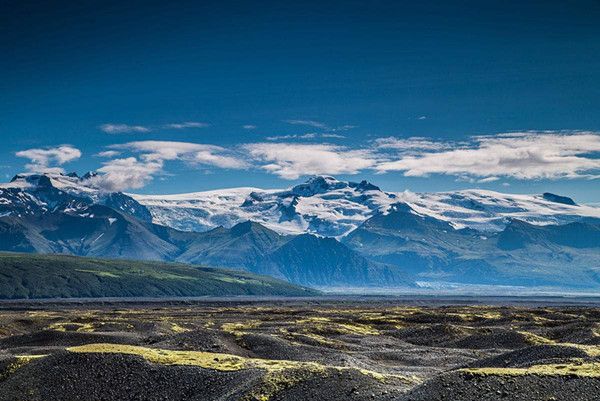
(59, 276)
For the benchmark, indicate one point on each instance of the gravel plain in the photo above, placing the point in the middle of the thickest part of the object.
(297, 350)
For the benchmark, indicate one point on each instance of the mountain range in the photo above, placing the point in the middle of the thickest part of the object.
(322, 233)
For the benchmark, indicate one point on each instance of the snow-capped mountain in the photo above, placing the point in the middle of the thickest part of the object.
(65, 214)
(381, 238)
(34, 194)
(328, 207)
(491, 211)
(322, 205)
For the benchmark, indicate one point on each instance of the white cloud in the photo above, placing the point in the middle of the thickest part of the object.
(49, 159)
(310, 123)
(344, 127)
(249, 126)
(108, 153)
(194, 153)
(488, 179)
(309, 135)
(412, 143)
(291, 160)
(320, 125)
(291, 136)
(123, 128)
(187, 124)
(127, 173)
(136, 172)
(523, 155)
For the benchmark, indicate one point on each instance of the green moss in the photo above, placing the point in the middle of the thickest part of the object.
(470, 316)
(323, 325)
(239, 280)
(535, 339)
(239, 329)
(279, 374)
(175, 328)
(578, 368)
(72, 326)
(207, 360)
(18, 363)
(98, 273)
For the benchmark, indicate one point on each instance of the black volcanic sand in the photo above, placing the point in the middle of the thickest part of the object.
(458, 386)
(297, 350)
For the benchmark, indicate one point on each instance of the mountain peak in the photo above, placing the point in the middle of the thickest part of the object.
(558, 199)
(364, 185)
(247, 226)
(317, 185)
(89, 174)
(401, 207)
(37, 180)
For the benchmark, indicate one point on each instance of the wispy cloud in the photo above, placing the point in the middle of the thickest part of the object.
(488, 179)
(309, 123)
(477, 159)
(195, 153)
(412, 143)
(249, 126)
(123, 128)
(309, 135)
(320, 125)
(127, 128)
(149, 161)
(126, 173)
(292, 160)
(187, 124)
(522, 155)
(108, 153)
(49, 159)
(290, 136)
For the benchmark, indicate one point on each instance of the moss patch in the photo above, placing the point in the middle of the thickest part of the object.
(240, 328)
(279, 374)
(323, 325)
(19, 362)
(577, 368)
(72, 326)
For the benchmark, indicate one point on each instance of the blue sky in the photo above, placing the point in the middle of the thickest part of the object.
(409, 96)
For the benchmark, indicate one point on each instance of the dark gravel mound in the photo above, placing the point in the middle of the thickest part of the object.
(344, 341)
(200, 340)
(116, 377)
(428, 318)
(499, 338)
(52, 338)
(577, 332)
(539, 354)
(113, 377)
(434, 335)
(459, 386)
(338, 386)
(271, 347)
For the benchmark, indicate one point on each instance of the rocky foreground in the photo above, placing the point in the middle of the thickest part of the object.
(297, 350)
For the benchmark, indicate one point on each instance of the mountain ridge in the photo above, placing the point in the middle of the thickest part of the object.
(328, 207)
(62, 276)
(389, 240)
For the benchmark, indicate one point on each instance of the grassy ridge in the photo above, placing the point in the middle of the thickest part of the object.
(59, 276)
